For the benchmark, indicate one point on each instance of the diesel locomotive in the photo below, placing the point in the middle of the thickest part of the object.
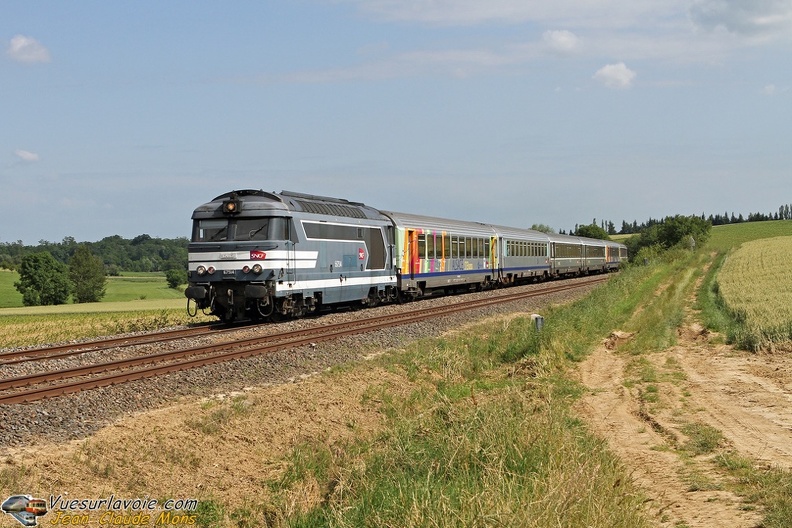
(262, 255)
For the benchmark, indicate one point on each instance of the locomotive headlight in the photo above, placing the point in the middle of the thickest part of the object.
(210, 270)
(201, 271)
(257, 269)
(246, 269)
(231, 206)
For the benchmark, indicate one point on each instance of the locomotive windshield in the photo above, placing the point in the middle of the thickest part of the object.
(240, 229)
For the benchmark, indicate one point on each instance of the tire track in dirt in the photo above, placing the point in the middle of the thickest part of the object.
(647, 437)
(745, 396)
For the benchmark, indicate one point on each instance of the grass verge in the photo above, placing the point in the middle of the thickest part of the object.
(485, 438)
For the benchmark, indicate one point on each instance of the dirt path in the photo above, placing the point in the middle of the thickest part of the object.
(642, 406)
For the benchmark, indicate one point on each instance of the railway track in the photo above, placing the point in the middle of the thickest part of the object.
(73, 349)
(34, 387)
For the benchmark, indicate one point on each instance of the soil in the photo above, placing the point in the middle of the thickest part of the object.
(745, 396)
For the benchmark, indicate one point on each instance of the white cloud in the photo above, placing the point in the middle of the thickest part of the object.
(615, 76)
(772, 89)
(560, 41)
(747, 17)
(26, 155)
(27, 49)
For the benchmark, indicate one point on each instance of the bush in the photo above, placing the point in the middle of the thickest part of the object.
(175, 277)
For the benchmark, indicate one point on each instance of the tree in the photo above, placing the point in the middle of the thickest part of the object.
(592, 231)
(175, 271)
(673, 231)
(42, 280)
(87, 275)
(175, 277)
(544, 228)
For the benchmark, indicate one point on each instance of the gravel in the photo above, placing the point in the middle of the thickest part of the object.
(79, 415)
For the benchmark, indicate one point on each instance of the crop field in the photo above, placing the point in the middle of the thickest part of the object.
(755, 284)
(133, 303)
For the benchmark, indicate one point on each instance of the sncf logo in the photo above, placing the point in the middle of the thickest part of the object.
(257, 255)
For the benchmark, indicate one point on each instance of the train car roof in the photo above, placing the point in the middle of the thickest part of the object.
(523, 234)
(460, 227)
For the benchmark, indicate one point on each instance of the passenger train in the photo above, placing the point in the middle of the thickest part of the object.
(259, 255)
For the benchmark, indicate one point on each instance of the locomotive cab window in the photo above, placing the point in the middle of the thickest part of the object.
(210, 230)
(240, 229)
(252, 229)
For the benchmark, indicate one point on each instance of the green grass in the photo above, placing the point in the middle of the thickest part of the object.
(727, 237)
(486, 439)
(9, 296)
(131, 287)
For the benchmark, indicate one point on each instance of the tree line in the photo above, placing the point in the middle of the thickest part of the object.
(50, 272)
(784, 213)
(142, 253)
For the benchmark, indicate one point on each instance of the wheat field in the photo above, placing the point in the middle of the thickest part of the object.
(755, 283)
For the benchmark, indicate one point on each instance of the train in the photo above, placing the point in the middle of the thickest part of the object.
(257, 255)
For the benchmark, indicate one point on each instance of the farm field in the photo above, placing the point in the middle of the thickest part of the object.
(755, 283)
(134, 302)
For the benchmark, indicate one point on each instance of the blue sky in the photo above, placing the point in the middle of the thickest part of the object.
(118, 118)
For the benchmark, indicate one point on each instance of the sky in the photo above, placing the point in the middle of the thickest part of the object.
(119, 118)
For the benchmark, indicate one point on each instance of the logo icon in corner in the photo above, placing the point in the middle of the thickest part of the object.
(24, 508)
(257, 254)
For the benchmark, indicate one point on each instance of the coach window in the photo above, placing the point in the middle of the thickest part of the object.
(454, 247)
(431, 241)
(422, 246)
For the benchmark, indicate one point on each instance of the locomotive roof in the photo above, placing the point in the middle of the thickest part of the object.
(263, 202)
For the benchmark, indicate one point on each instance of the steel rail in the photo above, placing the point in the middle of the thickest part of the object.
(72, 349)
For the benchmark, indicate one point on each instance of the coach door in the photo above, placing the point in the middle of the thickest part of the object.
(493, 254)
(412, 252)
